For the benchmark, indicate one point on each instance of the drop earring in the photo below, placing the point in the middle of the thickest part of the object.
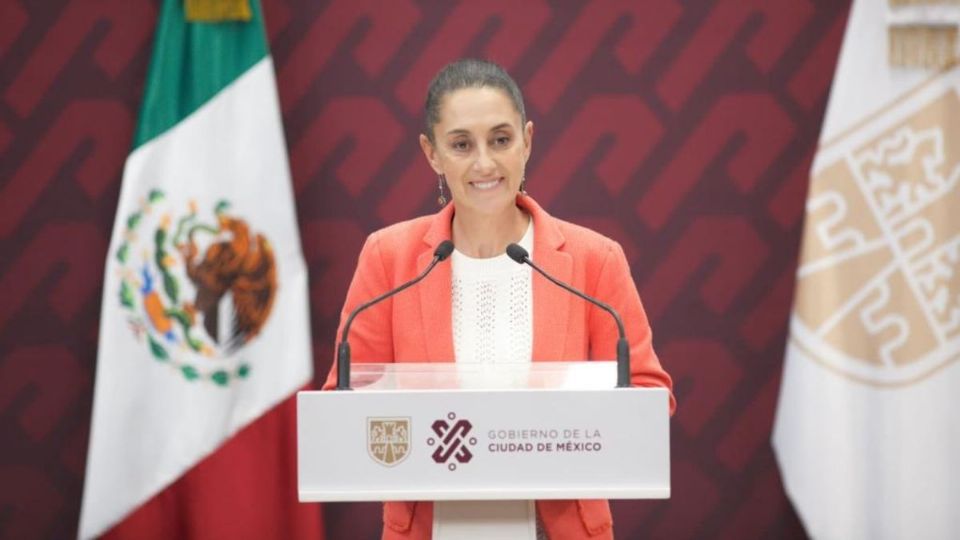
(441, 198)
(523, 185)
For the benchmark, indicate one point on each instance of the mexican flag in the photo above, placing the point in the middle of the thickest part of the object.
(867, 431)
(204, 332)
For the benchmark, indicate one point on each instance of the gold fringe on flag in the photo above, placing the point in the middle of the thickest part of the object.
(217, 10)
(923, 46)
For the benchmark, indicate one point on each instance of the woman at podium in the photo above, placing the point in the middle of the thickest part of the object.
(482, 307)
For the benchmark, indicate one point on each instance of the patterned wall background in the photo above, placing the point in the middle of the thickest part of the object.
(682, 128)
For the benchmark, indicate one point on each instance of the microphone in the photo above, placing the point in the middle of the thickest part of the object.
(442, 252)
(520, 255)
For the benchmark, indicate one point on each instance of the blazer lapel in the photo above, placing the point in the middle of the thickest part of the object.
(551, 304)
(434, 291)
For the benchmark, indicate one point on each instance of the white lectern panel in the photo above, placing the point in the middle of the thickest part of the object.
(552, 442)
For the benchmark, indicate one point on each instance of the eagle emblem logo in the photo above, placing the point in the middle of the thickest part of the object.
(196, 286)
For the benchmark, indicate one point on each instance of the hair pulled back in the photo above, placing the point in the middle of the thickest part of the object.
(468, 73)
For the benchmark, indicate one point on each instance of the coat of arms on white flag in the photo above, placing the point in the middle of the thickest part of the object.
(866, 431)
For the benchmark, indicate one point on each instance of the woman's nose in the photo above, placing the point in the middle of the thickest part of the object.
(484, 162)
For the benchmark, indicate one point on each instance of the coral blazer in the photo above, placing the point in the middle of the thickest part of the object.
(415, 326)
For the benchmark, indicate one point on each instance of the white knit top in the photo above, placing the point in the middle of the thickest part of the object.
(492, 307)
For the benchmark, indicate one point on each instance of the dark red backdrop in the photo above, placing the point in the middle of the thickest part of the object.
(683, 129)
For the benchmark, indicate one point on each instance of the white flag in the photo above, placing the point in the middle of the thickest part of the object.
(867, 430)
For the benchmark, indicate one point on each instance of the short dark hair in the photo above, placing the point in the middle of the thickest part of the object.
(468, 73)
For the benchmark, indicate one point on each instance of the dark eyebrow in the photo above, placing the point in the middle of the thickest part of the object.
(505, 125)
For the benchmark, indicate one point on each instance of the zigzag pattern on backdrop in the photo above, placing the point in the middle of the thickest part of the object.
(684, 130)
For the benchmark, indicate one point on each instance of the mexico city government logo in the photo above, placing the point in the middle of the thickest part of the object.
(388, 440)
(451, 441)
(878, 288)
(196, 286)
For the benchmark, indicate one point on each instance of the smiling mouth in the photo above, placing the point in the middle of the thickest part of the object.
(486, 184)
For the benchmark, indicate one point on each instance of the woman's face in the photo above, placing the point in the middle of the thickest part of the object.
(481, 148)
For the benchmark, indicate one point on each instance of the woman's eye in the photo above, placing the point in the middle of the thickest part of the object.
(502, 141)
(460, 145)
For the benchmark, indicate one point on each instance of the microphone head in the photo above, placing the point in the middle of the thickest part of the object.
(443, 250)
(517, 253)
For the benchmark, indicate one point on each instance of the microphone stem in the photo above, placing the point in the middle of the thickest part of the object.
(623, 347)
(343, 349)
(343, 366)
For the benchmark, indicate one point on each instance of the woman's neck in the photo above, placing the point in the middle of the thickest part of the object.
(485, 236)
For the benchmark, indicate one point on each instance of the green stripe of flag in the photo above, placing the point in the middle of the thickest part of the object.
(192, 61)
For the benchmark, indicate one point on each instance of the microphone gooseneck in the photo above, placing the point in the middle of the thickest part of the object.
(442, 252)
(520, 255)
